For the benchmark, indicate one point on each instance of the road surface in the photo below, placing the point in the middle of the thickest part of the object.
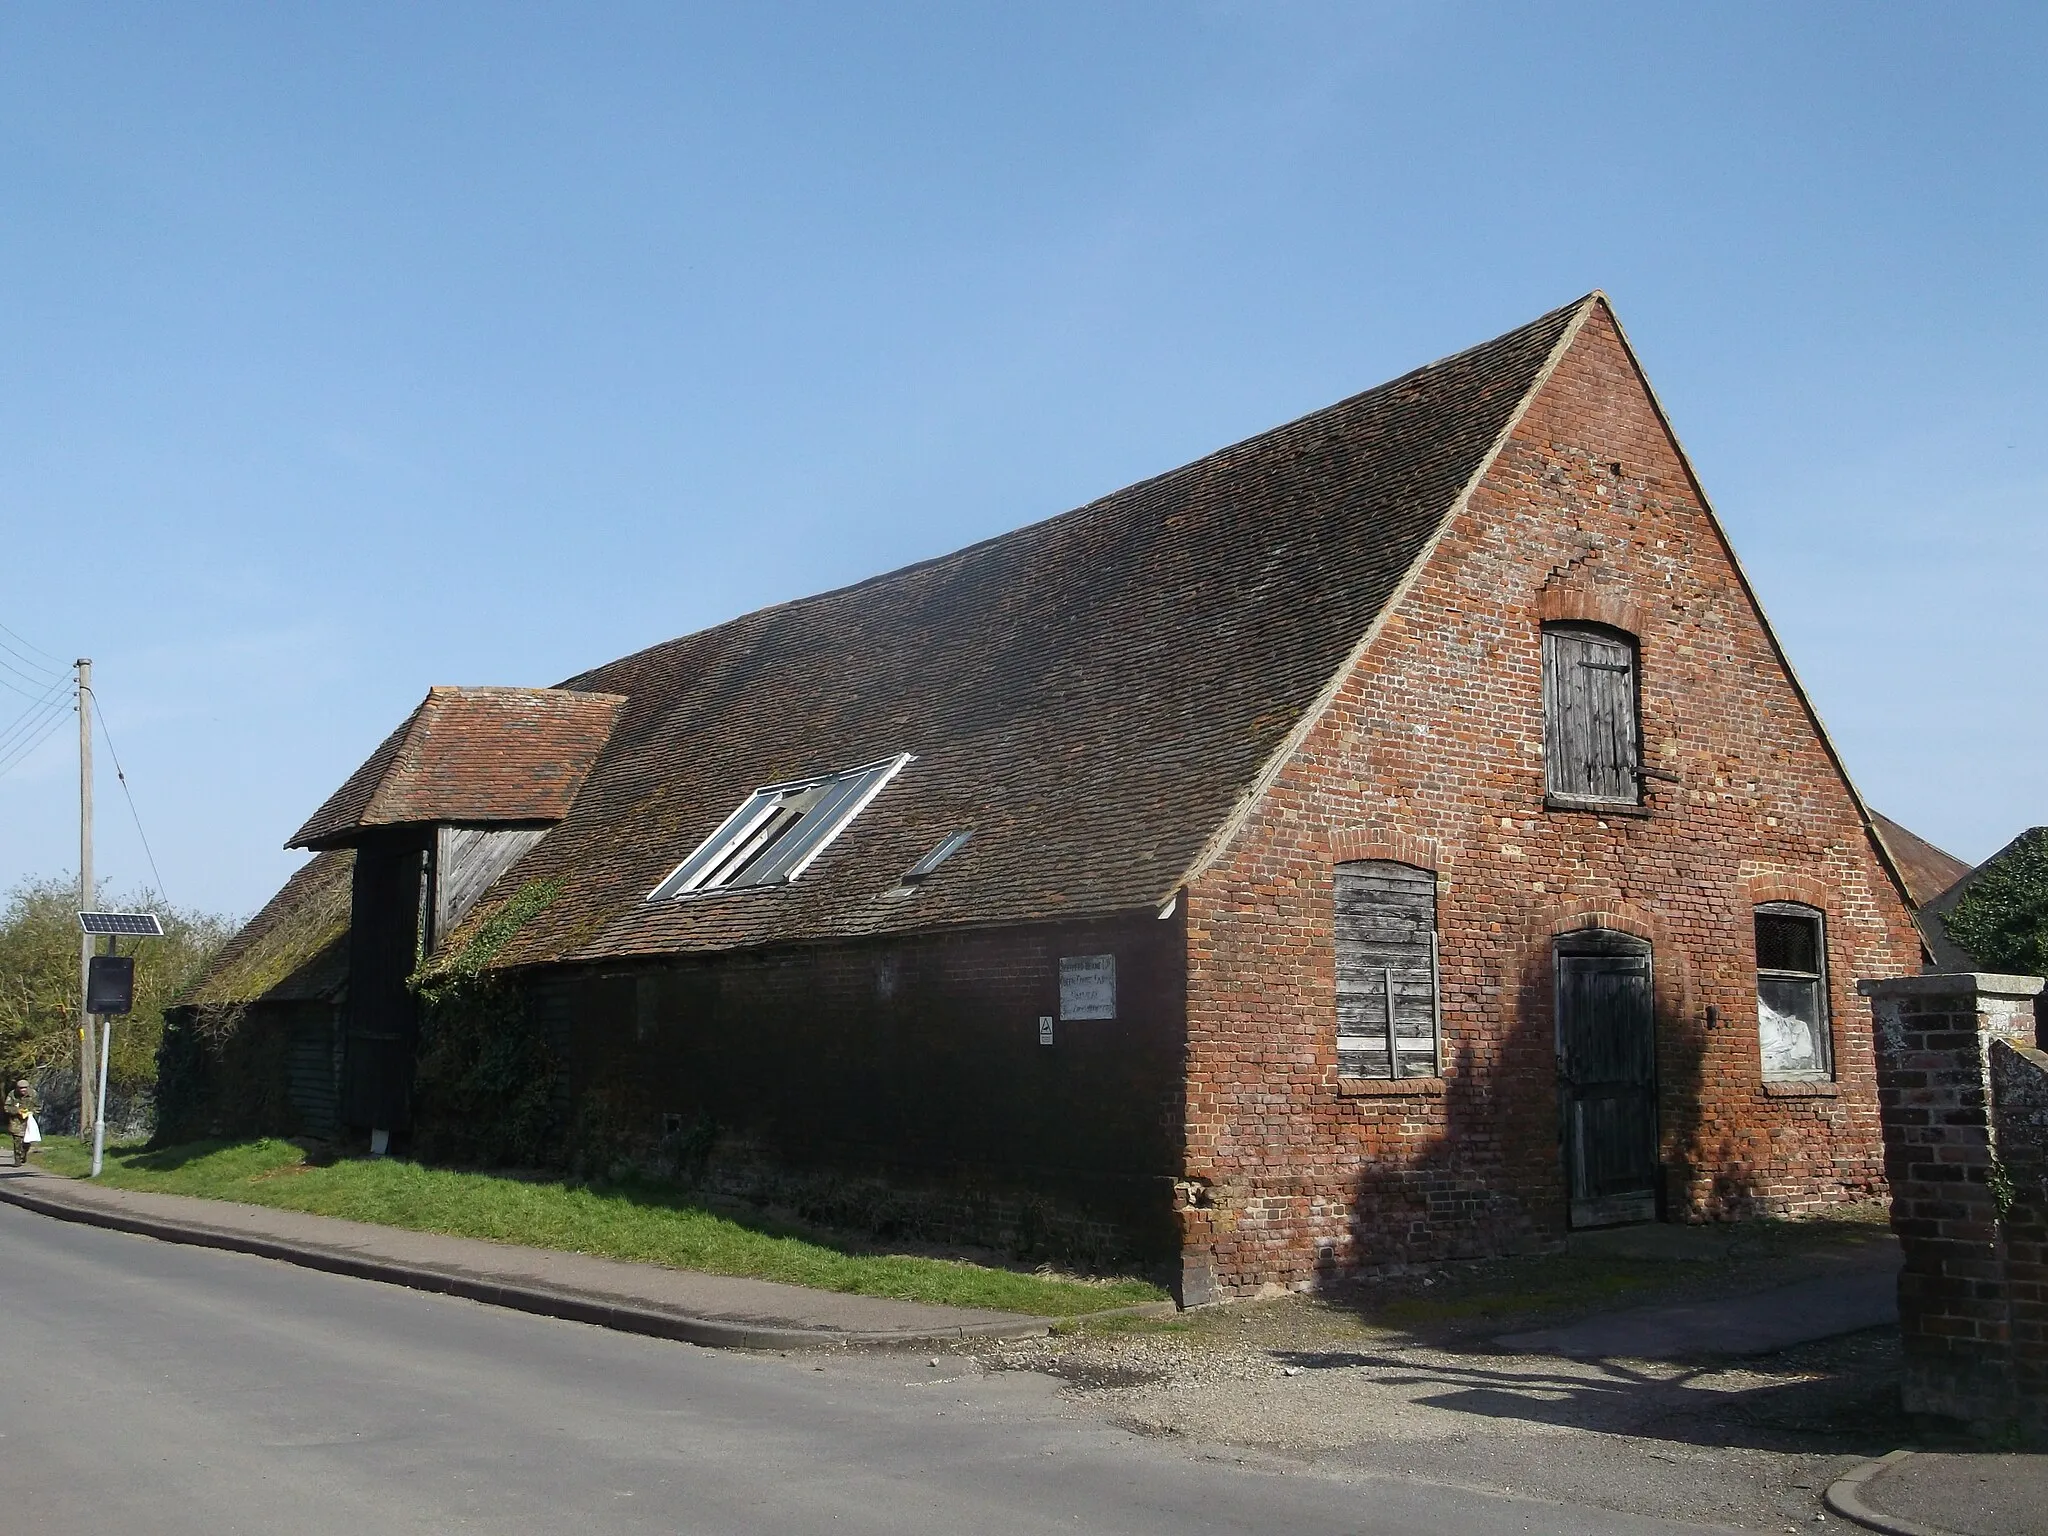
(161, 1389)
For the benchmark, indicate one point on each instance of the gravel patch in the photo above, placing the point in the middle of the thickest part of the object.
(1330, 1385)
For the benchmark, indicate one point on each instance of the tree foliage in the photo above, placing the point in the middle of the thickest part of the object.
(2001, 921)
(39, 979)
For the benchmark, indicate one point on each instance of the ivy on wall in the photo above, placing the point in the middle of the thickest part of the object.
(487, 1079)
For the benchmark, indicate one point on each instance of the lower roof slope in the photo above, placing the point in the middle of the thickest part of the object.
(1091, 695)
(1926, 869)
(294, 950)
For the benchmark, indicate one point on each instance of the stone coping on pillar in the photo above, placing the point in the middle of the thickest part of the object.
(1954, 983)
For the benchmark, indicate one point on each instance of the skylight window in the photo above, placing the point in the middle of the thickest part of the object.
(777, 831)
(928, 866)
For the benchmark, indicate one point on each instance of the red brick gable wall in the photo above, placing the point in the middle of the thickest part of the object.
(1431, 753)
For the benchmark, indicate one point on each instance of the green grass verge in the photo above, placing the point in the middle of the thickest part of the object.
(647, 1224)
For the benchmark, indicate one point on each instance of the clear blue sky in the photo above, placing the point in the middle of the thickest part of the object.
(347, 349)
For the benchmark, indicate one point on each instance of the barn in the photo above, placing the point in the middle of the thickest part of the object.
(1397, 836)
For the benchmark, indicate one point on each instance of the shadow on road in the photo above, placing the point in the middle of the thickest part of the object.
(1837, 1396)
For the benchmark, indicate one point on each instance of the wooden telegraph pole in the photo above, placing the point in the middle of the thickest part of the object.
(85, 894)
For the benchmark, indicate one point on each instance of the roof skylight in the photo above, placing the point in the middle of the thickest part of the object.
(928, 866)
(777, 831)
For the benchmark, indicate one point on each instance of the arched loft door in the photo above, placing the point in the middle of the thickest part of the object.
(1607, 1075)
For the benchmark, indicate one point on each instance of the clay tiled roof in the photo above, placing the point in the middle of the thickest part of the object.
(1092, 695)
(295, 949)
(476, 755)
(1926, 869)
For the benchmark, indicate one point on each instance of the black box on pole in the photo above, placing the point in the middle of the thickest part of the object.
(110, 984)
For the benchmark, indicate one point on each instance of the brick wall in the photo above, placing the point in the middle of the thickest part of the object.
(1964, 1099)
(900, 1084)
(1431, 752)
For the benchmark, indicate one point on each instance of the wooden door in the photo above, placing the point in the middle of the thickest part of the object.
(386, 916)
(1607, 1071)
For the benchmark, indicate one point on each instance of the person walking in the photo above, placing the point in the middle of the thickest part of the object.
(21, 1107)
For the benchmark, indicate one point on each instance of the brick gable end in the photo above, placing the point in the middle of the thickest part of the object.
(1432, 753)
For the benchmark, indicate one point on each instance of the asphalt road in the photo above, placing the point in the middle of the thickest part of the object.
(162, 1389)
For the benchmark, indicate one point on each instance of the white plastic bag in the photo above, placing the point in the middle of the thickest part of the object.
(31, 1133)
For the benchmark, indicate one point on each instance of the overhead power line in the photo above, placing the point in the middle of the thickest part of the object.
(30, 676)
(55, 661)
(23, 659)
(128, 795)
(27, 686)
(54, 698)
(15, 756)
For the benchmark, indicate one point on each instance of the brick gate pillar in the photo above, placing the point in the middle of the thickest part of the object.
(1934, 1037)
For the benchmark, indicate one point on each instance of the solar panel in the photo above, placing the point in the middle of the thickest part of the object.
(144, 924)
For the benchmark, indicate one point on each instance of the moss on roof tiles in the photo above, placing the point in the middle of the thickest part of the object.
(295, 949)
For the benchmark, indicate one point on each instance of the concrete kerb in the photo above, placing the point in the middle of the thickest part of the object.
(570, 1306)
(1845, 1498)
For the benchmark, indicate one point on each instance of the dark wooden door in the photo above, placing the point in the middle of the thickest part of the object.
(1607, 1069)
(386, 917)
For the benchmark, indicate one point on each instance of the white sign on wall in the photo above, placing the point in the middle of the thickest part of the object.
(1088, 986)
(1045, 1029)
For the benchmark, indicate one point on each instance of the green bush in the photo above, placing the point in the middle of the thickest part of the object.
(221, 1071)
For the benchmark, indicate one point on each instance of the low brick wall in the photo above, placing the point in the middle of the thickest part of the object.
(1963, 1097)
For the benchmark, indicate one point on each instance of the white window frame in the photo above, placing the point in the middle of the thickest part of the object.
(713, 863)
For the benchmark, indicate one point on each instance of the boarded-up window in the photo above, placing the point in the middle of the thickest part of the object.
(1792, 992)
(1387, 1014)
(1590, 746)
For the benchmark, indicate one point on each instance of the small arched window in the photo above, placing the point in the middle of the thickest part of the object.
(1592, 749)
(1792, 993)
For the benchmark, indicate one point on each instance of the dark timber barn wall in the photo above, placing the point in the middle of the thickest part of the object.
(828, 1069)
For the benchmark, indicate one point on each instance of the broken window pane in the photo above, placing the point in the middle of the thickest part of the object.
(1788, 1022)
(1791, 992)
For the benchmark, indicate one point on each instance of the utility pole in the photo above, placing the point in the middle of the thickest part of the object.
(85, 893)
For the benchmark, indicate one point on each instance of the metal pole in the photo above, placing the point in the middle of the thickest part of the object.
(85, 890)
(99, 1126)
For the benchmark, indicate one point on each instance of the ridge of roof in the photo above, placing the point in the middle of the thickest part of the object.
(1575, 311)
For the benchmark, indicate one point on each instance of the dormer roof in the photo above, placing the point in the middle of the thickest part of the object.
(474, 757)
